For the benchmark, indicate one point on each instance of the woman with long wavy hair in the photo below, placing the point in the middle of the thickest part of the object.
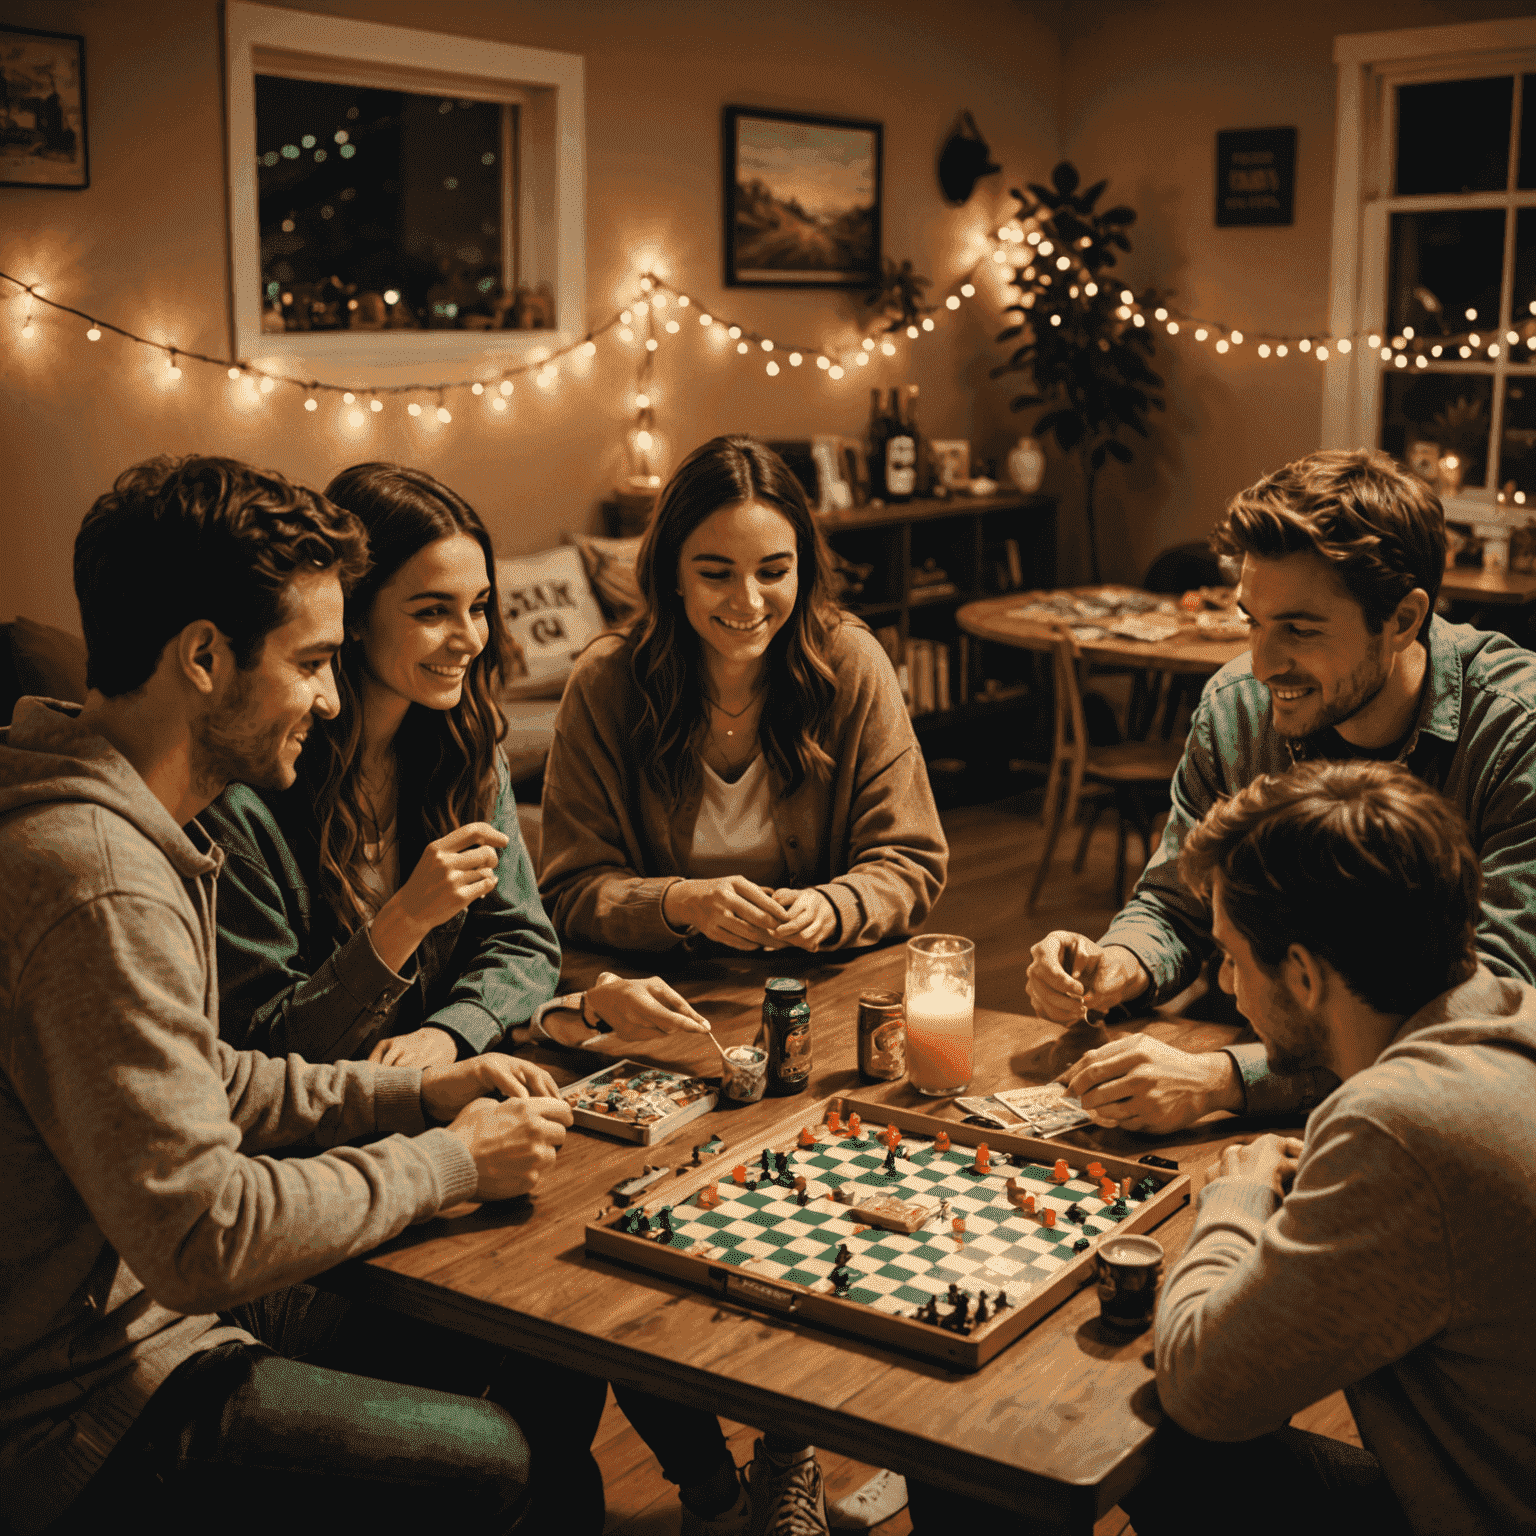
(385, 906)
(738, 764)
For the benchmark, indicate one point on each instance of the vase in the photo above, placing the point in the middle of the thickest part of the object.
(1451, 470)
(1026, 465)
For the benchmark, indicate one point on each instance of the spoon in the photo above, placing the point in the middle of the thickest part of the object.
(730, 1065)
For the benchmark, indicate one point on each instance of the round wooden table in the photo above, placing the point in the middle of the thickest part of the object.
(1187, 652)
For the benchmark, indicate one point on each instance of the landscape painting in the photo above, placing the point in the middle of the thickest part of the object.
(42, 109)
(802, 200)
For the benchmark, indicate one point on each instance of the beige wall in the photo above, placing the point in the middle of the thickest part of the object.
(1129, 90)
(145, 246)
(1144, 90)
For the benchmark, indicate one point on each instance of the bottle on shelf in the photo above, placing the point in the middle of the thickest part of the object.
(900, 455)
(879, 430)
(920, 456)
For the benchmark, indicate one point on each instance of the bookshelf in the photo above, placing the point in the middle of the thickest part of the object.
(967, 538)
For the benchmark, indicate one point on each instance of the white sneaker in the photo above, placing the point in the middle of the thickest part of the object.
(735, 1521)
(877, 1500)
(787, 1498)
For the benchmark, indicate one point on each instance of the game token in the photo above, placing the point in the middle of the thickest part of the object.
(834, 1122)
(1125, 1189)
(981, 1309)
(983, 1162)
(1048, 1216)
(941, 1142)
(958, 1224)
(807, 1136)
(855, 1127)
(739, 1173)
(1080, 1246)
(1061, 1171)
(1029, 1205)
(1095, 1170)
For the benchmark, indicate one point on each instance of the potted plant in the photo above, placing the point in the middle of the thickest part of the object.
(1077, 338)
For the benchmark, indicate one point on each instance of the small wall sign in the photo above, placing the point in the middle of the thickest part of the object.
(1255, 176)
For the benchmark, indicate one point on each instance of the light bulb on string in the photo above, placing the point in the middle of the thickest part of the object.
(234, 373)
(767, 345)
(375, 405)
(414, 408)
(706, 319)
(683, 301)
(927, 323)
(822, 362)
(1201, 334)
(1343, 345)
(172, 367)
(505, 386)
(642, 402)
(888, 348)
(498, 402)
(968, 291)
(868, 344)
(94, 334)
(741, 346)
(673, 327)
(952, 302)
(795, 359)
(311, 404)
(267, 386)
(651, 343)
(773, 369)
(835, 372)
(1321, 353)
(589, 348)
(477, 388)
(1304, 345)
(347, 397)
(444, 415)
(861, 359)
(355, 419)
(1222, 345)
(1091, 289)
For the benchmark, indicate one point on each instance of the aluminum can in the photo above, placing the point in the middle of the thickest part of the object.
(882, 1037)
(787, 1033)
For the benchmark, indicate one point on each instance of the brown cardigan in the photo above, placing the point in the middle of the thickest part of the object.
(868, 838)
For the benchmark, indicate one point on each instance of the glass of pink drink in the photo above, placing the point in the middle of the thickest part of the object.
(941, 1006)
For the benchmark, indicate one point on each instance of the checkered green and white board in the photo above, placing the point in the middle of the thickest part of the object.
(766, 1233)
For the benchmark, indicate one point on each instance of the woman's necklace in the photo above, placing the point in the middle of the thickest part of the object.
(757, 693)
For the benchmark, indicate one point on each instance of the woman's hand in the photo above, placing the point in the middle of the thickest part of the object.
(425, 1047)
(633, 1009)
(730, 910)
(812, 918)
(452, 872)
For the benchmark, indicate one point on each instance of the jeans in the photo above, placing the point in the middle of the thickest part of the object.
(345, 1415)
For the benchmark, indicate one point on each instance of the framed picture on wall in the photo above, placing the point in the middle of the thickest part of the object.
(42, 110)
(802, 200)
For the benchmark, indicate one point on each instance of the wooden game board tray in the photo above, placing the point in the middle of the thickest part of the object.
(787, 1299)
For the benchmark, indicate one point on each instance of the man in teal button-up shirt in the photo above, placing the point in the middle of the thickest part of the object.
(1342, 556)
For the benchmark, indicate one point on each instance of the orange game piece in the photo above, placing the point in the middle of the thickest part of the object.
(855, 1127)
(941, 1142)
(958, 1223)
(739, 1173)
(709, 1196)
(807, 1136)
(1108, 1193)
(1048, 1216)
(1029, 1204)
(983, 1158)
(834, 1122)
(1095, 1170)
(1125, 1188)
(1061, 1171)
(892, 1136)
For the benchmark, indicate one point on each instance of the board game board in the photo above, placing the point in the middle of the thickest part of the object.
(762, 1246)
(639, 1103)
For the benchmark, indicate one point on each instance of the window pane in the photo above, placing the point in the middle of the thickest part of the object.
(1517, 456)
(1528, 132)
(1444, 265)
(379, 209)
(1523, 312)
(1451, 410)
(1453, 136)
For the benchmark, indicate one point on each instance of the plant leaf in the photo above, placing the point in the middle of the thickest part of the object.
(1022, 402)
(1119, 214)
(1065, 178)
(1118, 449)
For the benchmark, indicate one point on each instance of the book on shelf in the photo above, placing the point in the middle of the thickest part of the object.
(920, 668)
(889, 637)
(1015, 564)
(941, 694)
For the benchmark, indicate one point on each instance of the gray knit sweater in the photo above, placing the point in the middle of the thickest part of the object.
(137, 1197)
(1401, 1268)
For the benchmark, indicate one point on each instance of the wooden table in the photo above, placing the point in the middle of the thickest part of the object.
(1186, 652)
(1471, 584)
(1056, 1428)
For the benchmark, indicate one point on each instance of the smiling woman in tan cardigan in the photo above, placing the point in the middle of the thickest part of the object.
(739, 764)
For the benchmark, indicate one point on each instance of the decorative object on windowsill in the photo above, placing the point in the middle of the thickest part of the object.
(964, 160)
(1461, 429)
(1522, 548)
(1079, 339)
(1026, 465)
(1423, 460)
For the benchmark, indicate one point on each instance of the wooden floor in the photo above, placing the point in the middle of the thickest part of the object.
(993, 850)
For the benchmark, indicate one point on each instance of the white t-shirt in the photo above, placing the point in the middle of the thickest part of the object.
(734, 834)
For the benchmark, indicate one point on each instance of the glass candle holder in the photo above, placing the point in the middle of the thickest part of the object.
(941, 1008)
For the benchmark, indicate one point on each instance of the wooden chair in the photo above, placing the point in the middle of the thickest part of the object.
(1124, 770)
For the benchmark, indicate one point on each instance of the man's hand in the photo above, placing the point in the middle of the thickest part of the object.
(812, 918)
(1267, 1159)
(730, 910)
(425, 1047)
(513, 1144)
(1100, 977)
(637, 1008)
(1138, 1083)
(447, 1090)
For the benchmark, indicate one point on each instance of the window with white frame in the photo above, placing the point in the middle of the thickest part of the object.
(399, 196)
(1434, 259)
